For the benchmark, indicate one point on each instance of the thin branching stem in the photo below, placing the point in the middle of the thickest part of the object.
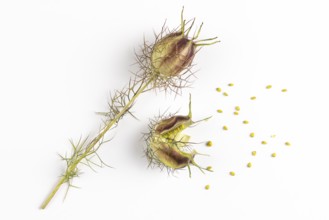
(149, 76)
(90, 147)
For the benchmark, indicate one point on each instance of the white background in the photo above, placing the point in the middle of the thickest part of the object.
(59, 61)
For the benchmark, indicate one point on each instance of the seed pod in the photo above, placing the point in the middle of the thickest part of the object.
(172, 54)
(167, 146)
(168, 59)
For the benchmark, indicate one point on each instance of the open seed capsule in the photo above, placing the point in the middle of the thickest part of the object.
(168, 147)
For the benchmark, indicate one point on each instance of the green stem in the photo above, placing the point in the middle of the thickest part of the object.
(92, 144)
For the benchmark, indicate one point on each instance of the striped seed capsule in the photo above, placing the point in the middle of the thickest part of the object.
(166, 145)
(175, 52)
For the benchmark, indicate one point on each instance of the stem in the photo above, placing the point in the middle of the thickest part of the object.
(92, 144)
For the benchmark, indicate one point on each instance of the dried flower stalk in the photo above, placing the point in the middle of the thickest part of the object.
(164, 65)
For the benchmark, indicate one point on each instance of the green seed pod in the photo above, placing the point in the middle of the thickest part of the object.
(167, 146)
(172, 54)
(168, 61)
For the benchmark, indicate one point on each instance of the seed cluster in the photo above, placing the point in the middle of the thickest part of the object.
(236, 112)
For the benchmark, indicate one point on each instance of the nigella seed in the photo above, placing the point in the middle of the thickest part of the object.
(209, 168)
(209, 143)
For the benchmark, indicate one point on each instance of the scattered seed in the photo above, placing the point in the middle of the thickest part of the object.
(225, 128)
(237, 108)
(287, 144)
(209, 143)
(273, 136)
(264, 142)
(209, 168)
(232, 173)
(218, 89)
(253, 97)
(253, 153)
(207, 187)
(284, 90)
(249, 165)
(273, 155)
(245, 122)
(220, 111)
(252, 134)
(225, 94)
(230, 84)
(268, 86)
(236, 113)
